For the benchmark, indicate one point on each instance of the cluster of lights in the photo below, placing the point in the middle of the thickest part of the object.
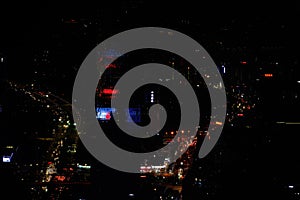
(152, 97)
(241, 104)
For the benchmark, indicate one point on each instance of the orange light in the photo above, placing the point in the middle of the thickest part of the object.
(143, 176)
(268, 75)
(60, 178)
(219, 123)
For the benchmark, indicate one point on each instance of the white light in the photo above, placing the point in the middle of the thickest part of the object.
(298, 81)
(291, 186)
(152, 92)
(2, 59)
(224, 69)
(6, 159)
(131, 195)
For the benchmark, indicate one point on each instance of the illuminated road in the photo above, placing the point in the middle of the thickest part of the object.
(57, 170)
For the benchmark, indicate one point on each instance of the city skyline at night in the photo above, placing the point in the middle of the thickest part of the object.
(254, 48)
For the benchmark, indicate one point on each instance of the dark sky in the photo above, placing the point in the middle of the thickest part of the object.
(26, 26)
(20, 19)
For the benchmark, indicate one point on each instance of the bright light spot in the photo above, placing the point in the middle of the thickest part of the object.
(291, 186)
(219, 123)
(224, 69)
(268, 75)
(298, 81)
(131, 195)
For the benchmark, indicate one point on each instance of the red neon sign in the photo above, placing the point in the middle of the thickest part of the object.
(109, 91)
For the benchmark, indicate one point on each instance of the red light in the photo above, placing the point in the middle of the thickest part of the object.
(111, 66)
(107, 116)
(244, 62)
(109, 91)
(240, 114)
(60, 178)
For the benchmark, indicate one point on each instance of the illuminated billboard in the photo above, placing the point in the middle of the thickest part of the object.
(6, 159)
(104, 113)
